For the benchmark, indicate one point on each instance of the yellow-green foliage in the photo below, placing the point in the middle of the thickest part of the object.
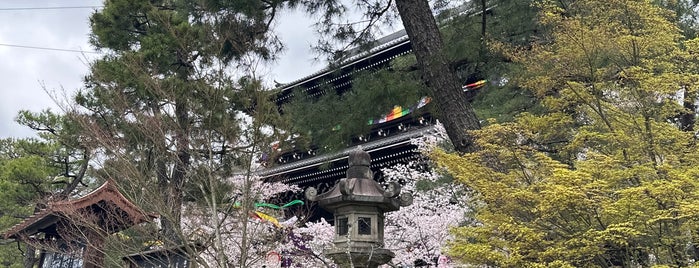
(606, 177)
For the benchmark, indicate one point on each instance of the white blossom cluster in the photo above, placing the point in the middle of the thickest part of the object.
(259, 189)
(303, 246)
(219, 229)
(436, 137)
(199, 224)
(420, 231)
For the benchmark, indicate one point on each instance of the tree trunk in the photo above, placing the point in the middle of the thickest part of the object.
(171, 186)
(29, 256)
(687, 118)
(179, 173)
(484, 10)
(30, 251)
(65, 193)
(454, 109)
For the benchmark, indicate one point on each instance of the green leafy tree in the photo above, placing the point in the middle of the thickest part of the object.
(22, 180)
(36, 170)
(685, 16)
(469, 39)
(605, 176)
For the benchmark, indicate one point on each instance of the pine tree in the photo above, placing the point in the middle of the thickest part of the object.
(36, 170)
(457, 114)
(175, 107)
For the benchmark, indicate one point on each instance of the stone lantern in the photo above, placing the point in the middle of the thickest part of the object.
(359, 203)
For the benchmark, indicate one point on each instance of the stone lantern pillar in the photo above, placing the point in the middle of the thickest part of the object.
(359, 203)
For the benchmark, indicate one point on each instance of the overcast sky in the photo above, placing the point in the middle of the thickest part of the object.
(25, 72)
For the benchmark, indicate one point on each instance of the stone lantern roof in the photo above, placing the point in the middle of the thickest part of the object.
(360, 188)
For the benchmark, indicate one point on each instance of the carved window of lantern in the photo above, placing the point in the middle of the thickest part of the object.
(342, 226)
(364, 226)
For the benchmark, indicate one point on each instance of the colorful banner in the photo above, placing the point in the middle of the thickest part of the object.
(473, 86)
(399, 112)
(266, 217)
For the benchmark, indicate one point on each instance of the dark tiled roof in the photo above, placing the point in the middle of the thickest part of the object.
(369, 147)
(381, 48)
(55, 210)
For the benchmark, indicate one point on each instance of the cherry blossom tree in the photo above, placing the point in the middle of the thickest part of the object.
(218, 226)
(266, 243)
(304, 245)
(417, 233)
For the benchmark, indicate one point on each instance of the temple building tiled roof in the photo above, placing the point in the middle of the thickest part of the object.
(106, 201)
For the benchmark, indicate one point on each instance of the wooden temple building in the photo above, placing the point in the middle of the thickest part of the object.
(388, 143)
(173, 257)
(71, 233)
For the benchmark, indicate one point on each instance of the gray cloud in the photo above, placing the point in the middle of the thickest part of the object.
(295, 31)
(23, 70)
